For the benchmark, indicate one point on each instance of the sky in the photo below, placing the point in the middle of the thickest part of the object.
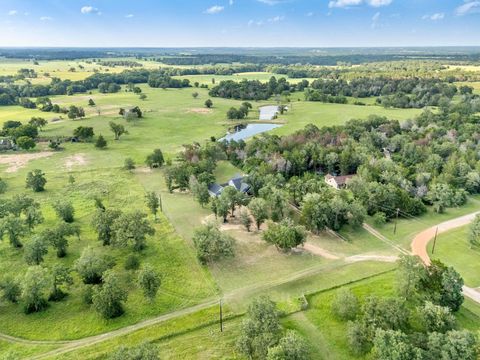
(239, 23)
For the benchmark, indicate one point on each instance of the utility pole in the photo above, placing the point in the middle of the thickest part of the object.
(434, 240)
(396, 220)
(221, 317)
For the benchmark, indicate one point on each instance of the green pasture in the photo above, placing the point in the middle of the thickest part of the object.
(454, 249)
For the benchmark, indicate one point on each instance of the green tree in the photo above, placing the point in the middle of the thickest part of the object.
(117, 129)
(451, 293)
(452, 345)
(411, 273)
(3, 186)
(245, 219)
(38, 122)
(285, 235)
(61, 278)
(25, 142)
(345, 305)
(208, 103)
(132, 227)
(101, 143)
(91, 266)
(260, 330)
(200, 192)
(290, 347)
(155, 160)
(64, 210)
(36, 286)
(57, 236)
(129, 164)
(102, 222)
(357, 338)
(153, 202)
(474, 236)
(109, 297)
(259, 210)
(36, 180)
(35, 250)
(436, 318)
(149, 281)
(84, 133)
(11, 290)
(13, 227)
(394, 345)
(212, 244)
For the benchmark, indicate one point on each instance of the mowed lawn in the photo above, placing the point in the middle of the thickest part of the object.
(454, 249)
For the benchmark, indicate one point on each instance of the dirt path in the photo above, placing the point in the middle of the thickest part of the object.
(420, 242)
(319, 251)
(381, 258)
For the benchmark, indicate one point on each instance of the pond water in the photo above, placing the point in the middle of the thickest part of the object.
(242, 132)
(268, 112)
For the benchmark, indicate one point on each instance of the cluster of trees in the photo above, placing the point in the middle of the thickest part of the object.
(252, 89)
(240, 113)
(428, 161)
(13, 94)
(418, 323)
(104, 287)
(262, 335)
(23, 135)
(123, 63)
(392, 92)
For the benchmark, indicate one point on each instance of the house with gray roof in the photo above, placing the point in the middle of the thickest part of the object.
(238, 182)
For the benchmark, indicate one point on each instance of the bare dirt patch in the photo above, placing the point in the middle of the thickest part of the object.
(18, 161)
(75, 160)
(142, 170)
(315, 250)
(200, 111)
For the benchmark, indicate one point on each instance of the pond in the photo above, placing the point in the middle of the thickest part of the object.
(241, 132)
(268, 112)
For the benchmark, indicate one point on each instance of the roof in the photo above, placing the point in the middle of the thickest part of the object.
(215, 189)
(340, 180)
(236, 182)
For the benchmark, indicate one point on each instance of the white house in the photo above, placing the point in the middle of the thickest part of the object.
(337, 182)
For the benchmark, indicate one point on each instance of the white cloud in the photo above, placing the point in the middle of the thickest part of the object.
(378, 3)
(276, 19)
(375, 20)
(129, 16)
(343, 3)
(350, 3)
(469, 7)
(271, 2)
(230, 2)
(46, 18)
(12, 12)
(215, 9)
(90, 10)
(434, 17)
(309, 14)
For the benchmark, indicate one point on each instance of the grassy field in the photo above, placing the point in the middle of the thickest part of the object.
(174, 118)
(453, 248)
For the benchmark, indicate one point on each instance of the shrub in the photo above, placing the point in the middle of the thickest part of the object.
(132, 262)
